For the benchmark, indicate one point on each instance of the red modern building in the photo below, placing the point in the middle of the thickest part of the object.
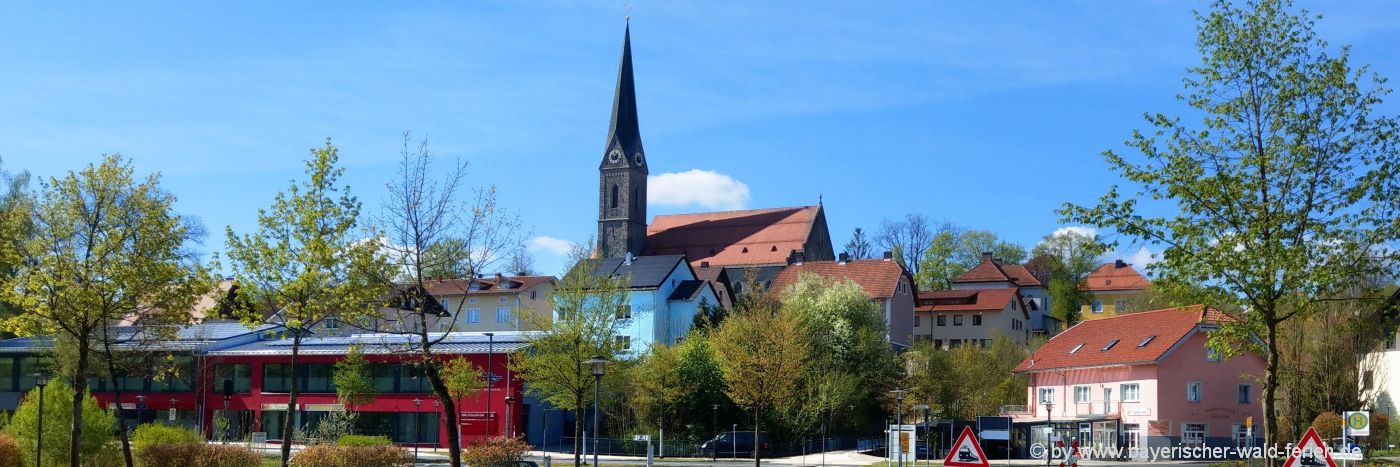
(254, 364)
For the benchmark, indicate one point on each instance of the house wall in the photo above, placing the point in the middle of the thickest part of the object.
(1219, 407)
(658, 320)
(1110, 305)
(992, 322)
(1140, 411)
(899, 312)
(1383, 366)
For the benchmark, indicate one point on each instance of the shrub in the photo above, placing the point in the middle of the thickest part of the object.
(151, 434)
(351, 456)
(362, 440)
(495, 452)
(1380, 431)
(204, 455)
(9, 451)
(1328, 425)
(109, 456)
(58, 420)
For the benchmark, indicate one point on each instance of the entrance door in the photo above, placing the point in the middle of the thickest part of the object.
(1132, 439)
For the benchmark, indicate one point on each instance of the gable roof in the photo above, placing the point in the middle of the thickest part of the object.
(968, 300)
(1115, 276)
(1165, 328)
(644, 272)
(879, 277)
(992, 270)
(730, 238)
(687, 290)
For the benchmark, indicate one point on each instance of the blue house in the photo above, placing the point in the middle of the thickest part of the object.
(663, 297)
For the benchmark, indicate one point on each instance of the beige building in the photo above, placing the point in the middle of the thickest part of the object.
(954, 318)
(483, 304)
(1115, 287)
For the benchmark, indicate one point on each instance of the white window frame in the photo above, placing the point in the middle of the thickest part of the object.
(1129, 396)
(473, 315)
(1202, 438)
(1240, 434)
(1046, 395)
(624, 311)
(1082, 395)
(503, 315)
(626, 341)
(1096, 306)
(1213, 356)
(1199, 388)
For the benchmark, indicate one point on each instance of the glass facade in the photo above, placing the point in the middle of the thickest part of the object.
(402, 427)
(240, 373)
(389, 378)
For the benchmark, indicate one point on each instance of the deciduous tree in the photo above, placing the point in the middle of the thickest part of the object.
(104, 247)
(1286, 192)
(304, 264)
(763, 355)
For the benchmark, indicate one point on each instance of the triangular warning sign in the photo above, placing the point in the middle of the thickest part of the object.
(1310, 452)
(966, 452)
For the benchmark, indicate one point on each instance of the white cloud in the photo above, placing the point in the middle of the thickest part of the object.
(1139, 259)
(1079, 229)
(551, 245)
(703, 188)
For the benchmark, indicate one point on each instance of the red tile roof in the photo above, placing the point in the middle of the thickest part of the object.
(732, 238)
(990, 270)
(484, 285)
(967, 300)
(1132, 331)
(879, 278)
(1115, 276)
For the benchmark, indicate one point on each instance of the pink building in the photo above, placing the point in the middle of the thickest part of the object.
(1140, 380)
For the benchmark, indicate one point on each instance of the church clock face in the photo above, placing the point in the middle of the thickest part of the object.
(615, 156)
(641, 160)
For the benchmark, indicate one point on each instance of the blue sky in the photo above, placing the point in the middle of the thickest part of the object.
(987, 114)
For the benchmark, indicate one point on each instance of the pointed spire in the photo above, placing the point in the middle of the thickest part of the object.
(623, 129)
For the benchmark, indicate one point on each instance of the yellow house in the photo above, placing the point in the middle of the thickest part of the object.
(1113, 287)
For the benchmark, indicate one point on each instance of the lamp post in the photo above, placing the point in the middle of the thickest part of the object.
(41, 379)
(597, 363)
(899, 424)
(416, 403)
(437, 409)
(509, 400)
(714, 428)
(1049, 430)
(490, 349)
(927, 455)
(228, 394)
(140, 406)
(734, 441)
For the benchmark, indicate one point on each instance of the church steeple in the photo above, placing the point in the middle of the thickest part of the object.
(622, 174)
(623, 132)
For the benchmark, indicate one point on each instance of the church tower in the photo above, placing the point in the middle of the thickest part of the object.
(622, 176)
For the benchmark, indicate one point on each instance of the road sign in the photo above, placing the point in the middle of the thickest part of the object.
(1249, 421)
(641, 437)
(1310, 452)
(966, 452)
(1071, 454)
(172, 414)
(1357, 423)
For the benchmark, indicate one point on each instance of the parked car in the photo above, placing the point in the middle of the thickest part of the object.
(735, 444)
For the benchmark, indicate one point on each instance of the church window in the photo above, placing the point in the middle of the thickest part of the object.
(614, 196)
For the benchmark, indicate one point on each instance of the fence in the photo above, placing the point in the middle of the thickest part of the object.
(691, 448)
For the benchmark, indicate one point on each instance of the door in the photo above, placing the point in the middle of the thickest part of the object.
(1132, 439)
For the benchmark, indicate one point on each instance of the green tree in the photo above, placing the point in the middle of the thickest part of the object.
(967, 381)
(938, 268)
(303, 266)
(354, 385)
(860, 247)
(763, 354)
(104, 247)
(1283, 196)
(463, 378)
(1070, 255)
(656, 385)
(852, 361)
(16, 227)
(58, 418)
(953, 250)
(584, 323)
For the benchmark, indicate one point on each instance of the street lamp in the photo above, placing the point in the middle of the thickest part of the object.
(417, 402)
(1049, 430)
(509, 400)
(597, 364)
(899, 424)
(140, 406)
(714, 428)
(228, 393)
(928, 453)
(490, 349)
(41, 379)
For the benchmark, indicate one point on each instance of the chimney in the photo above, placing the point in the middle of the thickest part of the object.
(986, 256)
(889, 255)
(845, 257)
(704, 265)
(1119, 264)
(500, 281)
